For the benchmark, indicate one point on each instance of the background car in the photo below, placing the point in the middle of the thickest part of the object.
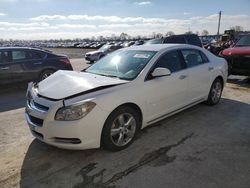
(101, 52)
(238, 57)
(29, 64)
(177, 39)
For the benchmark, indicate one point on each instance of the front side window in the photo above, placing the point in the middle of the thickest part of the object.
(125, 64)
(192, 57)
(5, 57)
(104, 48)
(154, 41)
(171, 61)
(18, 55)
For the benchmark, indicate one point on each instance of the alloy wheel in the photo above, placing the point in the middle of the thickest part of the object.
(216, 92)
(123, 129)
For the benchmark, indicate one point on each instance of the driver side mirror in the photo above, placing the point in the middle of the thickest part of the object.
(160, 71)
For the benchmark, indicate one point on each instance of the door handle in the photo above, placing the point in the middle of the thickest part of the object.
(5, 68)
(182, 77)
(210, 68)
(38, 63)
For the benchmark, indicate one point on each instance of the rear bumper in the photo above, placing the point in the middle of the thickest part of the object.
(68, 67)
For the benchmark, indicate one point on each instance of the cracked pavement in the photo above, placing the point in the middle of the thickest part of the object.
(202, 146)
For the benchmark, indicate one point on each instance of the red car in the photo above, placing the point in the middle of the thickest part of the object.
(238, 57)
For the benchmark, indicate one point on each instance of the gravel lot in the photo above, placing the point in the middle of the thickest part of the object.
(70, 52)
(200, 147)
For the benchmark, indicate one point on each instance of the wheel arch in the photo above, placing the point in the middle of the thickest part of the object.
(132, 105)
(128, 104)
(221, 79)
(46, 69)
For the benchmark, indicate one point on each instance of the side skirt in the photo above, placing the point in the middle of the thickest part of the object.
(175, 111)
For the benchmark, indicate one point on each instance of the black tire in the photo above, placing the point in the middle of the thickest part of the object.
(101, 56)
(215, 92)
(45, 74)
(108, 141)
(229, 72)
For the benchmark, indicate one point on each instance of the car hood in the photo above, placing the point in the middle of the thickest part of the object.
(236, 51)
(63, 84)
(94, 52)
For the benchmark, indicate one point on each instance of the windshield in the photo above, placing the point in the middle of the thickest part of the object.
(104, 48)
(244, 41)
(154, 41)
(124, 64)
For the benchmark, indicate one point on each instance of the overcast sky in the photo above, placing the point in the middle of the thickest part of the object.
(55, 19)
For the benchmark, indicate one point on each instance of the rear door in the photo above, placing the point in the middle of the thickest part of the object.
(5, 67)
(26, 64)
(199, 71)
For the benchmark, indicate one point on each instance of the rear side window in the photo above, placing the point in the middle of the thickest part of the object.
(204, 57)
(175, 39)
(194, 40)
(171, 61)
(38, 55)
(193, 57)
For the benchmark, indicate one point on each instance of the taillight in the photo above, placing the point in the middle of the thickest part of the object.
(65, 61)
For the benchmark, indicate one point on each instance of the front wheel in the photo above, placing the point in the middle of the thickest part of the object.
(120, 128)
(215, 92)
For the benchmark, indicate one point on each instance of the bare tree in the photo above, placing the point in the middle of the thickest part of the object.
(237, 28)
(123, 36)
(169, 33)
(158, 35)
(205, 32)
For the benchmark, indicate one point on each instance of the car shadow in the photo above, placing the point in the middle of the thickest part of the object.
(47, 166)
(12, 96)
(242, 81)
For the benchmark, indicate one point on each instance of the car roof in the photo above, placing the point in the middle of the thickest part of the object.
(159, 47)
(20, 48)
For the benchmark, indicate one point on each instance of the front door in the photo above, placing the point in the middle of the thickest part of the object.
(168, 93)
(5, 67)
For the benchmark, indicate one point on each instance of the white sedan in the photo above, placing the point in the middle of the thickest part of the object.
(109, 102)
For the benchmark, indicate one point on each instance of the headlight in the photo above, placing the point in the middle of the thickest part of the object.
(74, 112)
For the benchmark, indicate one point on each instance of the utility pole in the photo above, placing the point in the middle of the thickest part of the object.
(218, 32)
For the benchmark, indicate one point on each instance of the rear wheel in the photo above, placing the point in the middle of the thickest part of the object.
(45, 74)
(215, 92)
(120, 128)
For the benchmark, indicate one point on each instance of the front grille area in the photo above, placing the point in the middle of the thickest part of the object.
(68, 140)
(37, 134)
(36, 121)
(39, 106)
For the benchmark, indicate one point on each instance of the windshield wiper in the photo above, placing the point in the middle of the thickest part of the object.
(112, 76)
(108, 75)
